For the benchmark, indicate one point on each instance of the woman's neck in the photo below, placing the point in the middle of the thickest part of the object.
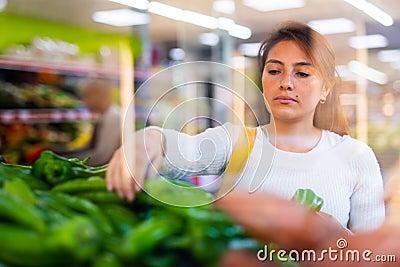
(293, 137)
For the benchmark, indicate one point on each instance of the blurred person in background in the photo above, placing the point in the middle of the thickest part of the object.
(306, 145)
(106, 136)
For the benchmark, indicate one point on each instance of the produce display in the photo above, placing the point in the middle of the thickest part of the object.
(58, 212)
(35, 96)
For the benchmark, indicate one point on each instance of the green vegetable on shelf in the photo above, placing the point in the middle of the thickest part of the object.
(55, 169)
(11, 171)
(81, 185)
(16, 210)
(144, 237)
(19, 188)
(86, 207)
(74, 240)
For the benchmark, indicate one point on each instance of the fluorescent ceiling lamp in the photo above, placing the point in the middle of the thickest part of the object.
(188, 16)
(373, 11)
(269, 5)
(139, 4)
(395, 65)
(199, 19)
(249, 49)
(165, 10)
(121, 17)
(389, 55)
(345, 74)
(332, 26)
(209, 38)
(3, 4)
(367, 72)
(240, 31)
(368, 41)
(224, 6)
(225, 23)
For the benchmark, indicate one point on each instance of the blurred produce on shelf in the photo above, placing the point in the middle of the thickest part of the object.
(21, 143)
(35, 96)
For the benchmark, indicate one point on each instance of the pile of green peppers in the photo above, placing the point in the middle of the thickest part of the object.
(58, 212)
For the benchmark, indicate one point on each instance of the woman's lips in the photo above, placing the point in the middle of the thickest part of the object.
(285, 99)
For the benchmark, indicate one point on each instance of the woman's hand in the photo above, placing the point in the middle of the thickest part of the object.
(126, 177)
(285, 223)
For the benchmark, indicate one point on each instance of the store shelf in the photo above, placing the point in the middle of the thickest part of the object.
(31, 116)
(69, 68)
(62, 68)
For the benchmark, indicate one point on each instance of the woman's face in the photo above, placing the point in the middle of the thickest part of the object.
(291, 84)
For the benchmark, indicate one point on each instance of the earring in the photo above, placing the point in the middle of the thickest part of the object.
(322, 101)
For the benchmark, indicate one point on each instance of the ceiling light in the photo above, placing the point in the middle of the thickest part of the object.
(199, 19)
(188, 16)
(395, 65)
(139, 4)
(373, 11)
(240, 31)
(209, 38)
(121, 17)
(224, 6)
(331, 26)
(269, 5)
(166, 10)
(367, 72)
(389, 55)
(249, 49)
(225, 23)
(345, 74)
(368, 41)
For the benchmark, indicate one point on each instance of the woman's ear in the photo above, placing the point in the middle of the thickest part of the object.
(325, 91)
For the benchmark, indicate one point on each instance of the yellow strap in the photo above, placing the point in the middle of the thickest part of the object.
(238, 159)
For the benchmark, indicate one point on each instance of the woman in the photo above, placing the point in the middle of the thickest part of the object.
(306, 145)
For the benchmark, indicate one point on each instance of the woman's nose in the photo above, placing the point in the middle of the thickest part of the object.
(286, 82)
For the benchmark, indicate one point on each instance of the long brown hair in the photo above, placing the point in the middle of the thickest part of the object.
(329, 115)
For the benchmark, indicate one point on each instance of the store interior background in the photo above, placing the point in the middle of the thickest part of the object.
(50, 47)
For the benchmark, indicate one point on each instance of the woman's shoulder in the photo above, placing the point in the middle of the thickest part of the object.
(353, 147)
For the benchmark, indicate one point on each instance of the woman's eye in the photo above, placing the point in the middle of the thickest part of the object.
(273, 72)
(303, 74)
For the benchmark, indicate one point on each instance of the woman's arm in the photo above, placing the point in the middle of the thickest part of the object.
(206, 153)
(171, 154)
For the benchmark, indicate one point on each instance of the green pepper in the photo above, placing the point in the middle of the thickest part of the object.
(75, 240)
(79, 185)
(107, 260)
(122, 218)
(56, 169)
(308, 198)
(86, 207)
(144, 237)
(53, 211)
(19, 188)
(176, 193)
(102, 197)
(11, 172)
(15, 209)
